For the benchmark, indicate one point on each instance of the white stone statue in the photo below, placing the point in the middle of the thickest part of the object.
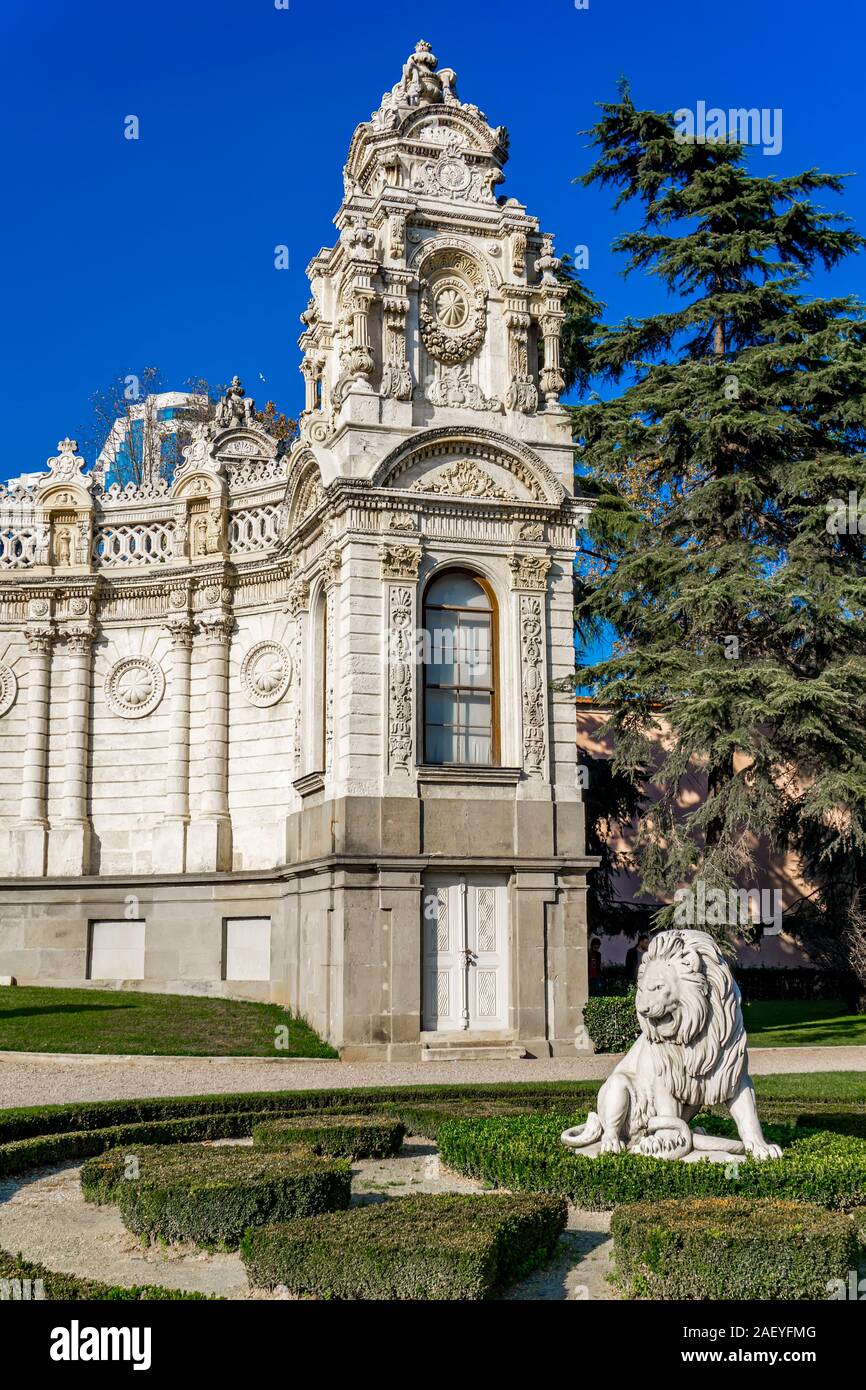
(691, 1053)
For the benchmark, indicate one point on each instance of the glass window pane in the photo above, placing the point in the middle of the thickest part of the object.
(474, 651)
(442, 630)
(475, 748)
(441, 707)
(475, 712)
(458, 591)
(440, 745)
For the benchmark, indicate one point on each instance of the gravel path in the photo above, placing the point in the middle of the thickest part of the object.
(45, 1216)
(40, 1078)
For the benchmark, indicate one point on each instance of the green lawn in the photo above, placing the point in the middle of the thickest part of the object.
(84, 1020)
(812, 1085)
(802, 1023)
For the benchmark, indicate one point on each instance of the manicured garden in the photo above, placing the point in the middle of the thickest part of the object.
(33, 1019)
(786, 1228)
(612, 1023)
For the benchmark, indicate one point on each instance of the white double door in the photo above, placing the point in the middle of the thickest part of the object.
(465, 953)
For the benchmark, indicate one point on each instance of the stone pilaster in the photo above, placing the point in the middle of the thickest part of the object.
(30, 837)
(332, 565)
(169, 838)
(529, 580)
(209, 838)
(400, 564)
(298, 606)
(69, 839)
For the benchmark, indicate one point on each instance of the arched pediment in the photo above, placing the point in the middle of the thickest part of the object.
(469, 463)
(244, 442)
(305, 489)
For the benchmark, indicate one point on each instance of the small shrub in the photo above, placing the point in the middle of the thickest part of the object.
(211, 1195)
(524, 1153)
(451, 1246)
(731, 1248)
(340, 1136)
(69, 1288)
(611, 1021)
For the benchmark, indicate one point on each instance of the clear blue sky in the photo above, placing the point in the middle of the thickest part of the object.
(119, 254)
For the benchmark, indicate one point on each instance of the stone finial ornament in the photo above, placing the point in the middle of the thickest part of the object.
(420, 85)
(691, 1053)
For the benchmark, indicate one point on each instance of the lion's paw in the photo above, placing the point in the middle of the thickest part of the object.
(660, 1145)
(611, 1144)
(761, 1150)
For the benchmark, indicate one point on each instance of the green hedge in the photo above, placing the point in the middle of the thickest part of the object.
(340, 1136)
(452, 1246)
(69, 1288)
(731, 1248)
(211, 1195)
(611, 1021)
(29, 1121)
(525, 1153)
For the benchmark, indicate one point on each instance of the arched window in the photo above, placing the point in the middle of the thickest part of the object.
(459, 674)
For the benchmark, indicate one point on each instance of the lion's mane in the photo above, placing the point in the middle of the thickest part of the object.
(704, 1063)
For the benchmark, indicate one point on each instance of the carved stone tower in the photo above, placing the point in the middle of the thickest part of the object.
(359, 794)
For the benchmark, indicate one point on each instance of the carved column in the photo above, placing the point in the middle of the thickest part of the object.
(69, 840)
(333, 561)
(522, 393)
(551, 378)
(529, 580)
(169, 838)
(209, 839)
(400, 565)
(298, 606)
(396, 376)
(31, 836)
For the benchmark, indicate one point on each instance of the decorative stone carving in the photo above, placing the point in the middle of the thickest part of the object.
(266, 673)
(533, 685)
(522, 392)
(691, 1054)
(463, 479)
(236, 407)
(67, 466)
(530, 531)
(299, 597)
(8, 688)
(453, 319)
(453, 387)
(402, 521)
(400, 679)
(400, 561)
(396, 376)
(529, 571)
(331, 567)
(454, 175)
(134, 687)
(419, 85)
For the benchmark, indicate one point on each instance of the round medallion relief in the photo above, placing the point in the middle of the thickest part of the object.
(8, 687)
(266, 673)
(134, 687)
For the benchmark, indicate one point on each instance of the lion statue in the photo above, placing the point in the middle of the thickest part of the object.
(691, 1053)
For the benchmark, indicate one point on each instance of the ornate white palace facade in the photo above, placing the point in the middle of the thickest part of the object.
(286, 725)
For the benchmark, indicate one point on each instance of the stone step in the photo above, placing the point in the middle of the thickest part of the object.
(474, 1052)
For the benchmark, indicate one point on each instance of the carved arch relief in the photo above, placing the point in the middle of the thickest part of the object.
(469, 464)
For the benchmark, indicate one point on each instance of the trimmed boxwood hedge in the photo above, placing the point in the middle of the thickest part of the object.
(25, 1121)
(452, 1246)
(68, 1288)
(340, 1136)
(611, 1021)
(211, 1195)
(731, 1248)
(525, 1153)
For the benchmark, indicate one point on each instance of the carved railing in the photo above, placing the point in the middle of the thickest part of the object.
(142, 543)
(17, 547)
(253, 528)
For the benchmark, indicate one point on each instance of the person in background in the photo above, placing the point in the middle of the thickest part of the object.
(594, 966)
(633, 957)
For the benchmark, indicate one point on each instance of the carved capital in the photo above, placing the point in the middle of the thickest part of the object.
(180, 632)
(79, 639)
(529, 571)
(217, 627)
(331, 567)
(299, 597)
(39, 638)
(400, 561)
